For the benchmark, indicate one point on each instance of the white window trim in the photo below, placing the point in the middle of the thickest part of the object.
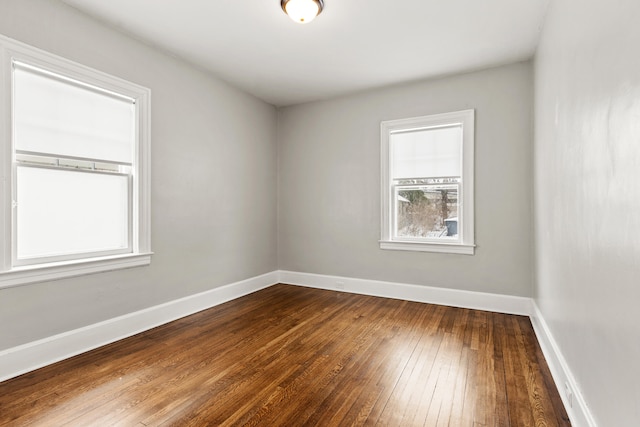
(12, 50)
(466, 245)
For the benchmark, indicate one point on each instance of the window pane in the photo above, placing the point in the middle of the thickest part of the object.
(59, 117)
(427, 211)
(62, 212)
(425, 153)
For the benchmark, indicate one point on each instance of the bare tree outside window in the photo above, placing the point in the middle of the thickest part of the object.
(427, 211)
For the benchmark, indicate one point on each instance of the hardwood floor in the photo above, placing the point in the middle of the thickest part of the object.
(292, 356)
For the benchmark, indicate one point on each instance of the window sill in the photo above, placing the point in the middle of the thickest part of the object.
(447, 248)
(60, 270)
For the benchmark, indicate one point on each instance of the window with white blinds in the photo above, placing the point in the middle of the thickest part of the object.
(427, 194)
(66, 206)
(78, 162)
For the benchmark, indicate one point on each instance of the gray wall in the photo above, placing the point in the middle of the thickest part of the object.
(587, 198)
(213, 180)
(329, 183)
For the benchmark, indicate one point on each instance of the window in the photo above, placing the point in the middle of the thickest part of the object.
(75, 162)
(427, 183)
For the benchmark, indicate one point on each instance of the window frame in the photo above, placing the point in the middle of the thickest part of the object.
(11, 272)
(466, 242)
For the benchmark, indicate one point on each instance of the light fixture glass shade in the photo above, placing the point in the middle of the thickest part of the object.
(302, 11)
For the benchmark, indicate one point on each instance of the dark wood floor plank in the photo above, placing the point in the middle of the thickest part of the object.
(540, 402)
(452, 393)
(246, 376)
(383, 365)
(415, 375)
(319, 406)
(499, 375)
(454, 410)
(385, 369)
(519, 405)
(484, 395)
(292, 356)
(548, 383)
(312, 346)
(426, 320)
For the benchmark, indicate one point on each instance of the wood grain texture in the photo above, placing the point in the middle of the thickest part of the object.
(292, 356)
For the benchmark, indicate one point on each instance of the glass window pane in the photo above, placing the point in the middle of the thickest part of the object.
(426, 153)
(54, 116)
(427, 211)
(63, 212)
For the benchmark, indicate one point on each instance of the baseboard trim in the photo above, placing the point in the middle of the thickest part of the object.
(426, 294)
(577, 408)
(28, 357)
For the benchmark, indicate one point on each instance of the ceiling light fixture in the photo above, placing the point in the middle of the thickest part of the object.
(302, 11)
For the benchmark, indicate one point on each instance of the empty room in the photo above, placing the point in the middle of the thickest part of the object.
(319, 213)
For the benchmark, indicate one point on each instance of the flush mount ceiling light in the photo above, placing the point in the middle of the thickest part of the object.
(302, 11)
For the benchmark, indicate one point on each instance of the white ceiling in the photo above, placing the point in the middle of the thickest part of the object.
(353, 45)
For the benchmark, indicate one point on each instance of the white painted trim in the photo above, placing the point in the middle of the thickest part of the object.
(447, 248)
(577, 408)
(427, 294)
(58, 270)
(28, 357)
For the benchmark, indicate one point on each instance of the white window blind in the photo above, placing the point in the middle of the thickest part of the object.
(426, 153)
(53, 114)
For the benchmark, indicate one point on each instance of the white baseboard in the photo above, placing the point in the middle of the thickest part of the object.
(28, 357)
(576, 406)
(442, 296)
